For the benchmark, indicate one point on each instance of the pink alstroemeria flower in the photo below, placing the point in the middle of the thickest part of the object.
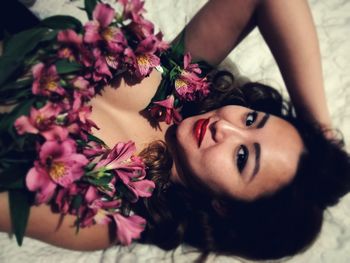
(59, 164)
(118, 156)
(93, 149)
(83, 87)
(145, 63)
(42, 121)
(65, 196)
(132, 175)
(164, 111)
(128, 228)
(100, 70)
(189, 86)
(141, 61)
(71, 44)
(133, 9)
(130, 169)
(99, 29)
(78, 121)
(98, 208)
(46, 80)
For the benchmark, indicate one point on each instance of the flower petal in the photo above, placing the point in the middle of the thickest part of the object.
(143, 188)
(69, 36)
(104, 14)
(23, 125)
(92, 33)
(38, 180)
(129, 228)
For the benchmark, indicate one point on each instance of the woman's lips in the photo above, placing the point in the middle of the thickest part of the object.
(200, 128)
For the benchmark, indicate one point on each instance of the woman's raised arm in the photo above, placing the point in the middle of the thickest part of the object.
(289, 31)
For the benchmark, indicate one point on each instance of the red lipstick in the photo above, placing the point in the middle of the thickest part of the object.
(200, 128)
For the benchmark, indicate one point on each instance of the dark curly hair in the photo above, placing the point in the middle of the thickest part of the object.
(271, 227)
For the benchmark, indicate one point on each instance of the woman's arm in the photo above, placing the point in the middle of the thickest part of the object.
(55, 229)
(289, 31)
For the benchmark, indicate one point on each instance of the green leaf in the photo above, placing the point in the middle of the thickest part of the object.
(20, 45)
(24, 42)
(63, 22)
(20, 202)
(100, 181)
(8, 65)
(14, 176)
(89, 7)
(19, 84)
(179, 47)
(77, 201)
(65, 66)
(92, 138)
(21, 109)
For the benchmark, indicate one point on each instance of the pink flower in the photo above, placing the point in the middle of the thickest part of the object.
(141, 61)
(65, 196)
(142, 188)
(189, 86)
(69, 36)
(100, 30)
(98, 208)
(83, 87)
(100, 70)
(133, 9)
(42, 121)
(129, 228)
(133, 176)
(93, 149)
(140, 26)
(39, 180)
(103, 15)
(46, 80)
(78, 121)
(130, 169)
(58, 164)
(164, 111)
(71, 44)
(145, 63)
(118, 156)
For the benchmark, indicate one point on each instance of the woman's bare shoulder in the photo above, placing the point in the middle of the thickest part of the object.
(57, 230)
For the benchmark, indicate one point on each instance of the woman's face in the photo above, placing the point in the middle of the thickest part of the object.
(237, 152)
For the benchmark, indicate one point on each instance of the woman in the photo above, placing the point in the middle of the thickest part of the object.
(219, 132)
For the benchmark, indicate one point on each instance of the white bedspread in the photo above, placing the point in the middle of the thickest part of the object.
(254, 60)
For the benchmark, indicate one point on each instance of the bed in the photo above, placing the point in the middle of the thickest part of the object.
(251, 58)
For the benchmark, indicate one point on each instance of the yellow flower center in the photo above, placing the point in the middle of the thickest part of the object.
(180, 83)
(57, 170)
(142, 60)
(100, 216)
(51, 85)
(67, 53)
(108, 33)
(39, 119)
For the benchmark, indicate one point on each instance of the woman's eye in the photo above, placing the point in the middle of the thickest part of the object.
(251, 117)
(242, 157)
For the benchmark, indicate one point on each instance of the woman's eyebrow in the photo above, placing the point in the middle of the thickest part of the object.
(257, 151)
(263, 121)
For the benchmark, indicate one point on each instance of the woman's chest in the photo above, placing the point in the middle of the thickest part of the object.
(119, 113)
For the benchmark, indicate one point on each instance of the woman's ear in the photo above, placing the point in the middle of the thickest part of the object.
(219, 207)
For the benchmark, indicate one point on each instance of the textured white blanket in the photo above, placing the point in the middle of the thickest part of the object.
(254, 60)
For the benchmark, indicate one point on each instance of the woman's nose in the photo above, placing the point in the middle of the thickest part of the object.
(223, 129)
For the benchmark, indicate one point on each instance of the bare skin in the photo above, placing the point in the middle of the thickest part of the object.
(117, 111)
(115, 119)
(289, 31)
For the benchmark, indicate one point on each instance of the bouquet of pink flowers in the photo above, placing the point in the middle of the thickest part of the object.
(51, 73)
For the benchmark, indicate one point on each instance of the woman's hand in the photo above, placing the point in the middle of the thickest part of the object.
(289, 31)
